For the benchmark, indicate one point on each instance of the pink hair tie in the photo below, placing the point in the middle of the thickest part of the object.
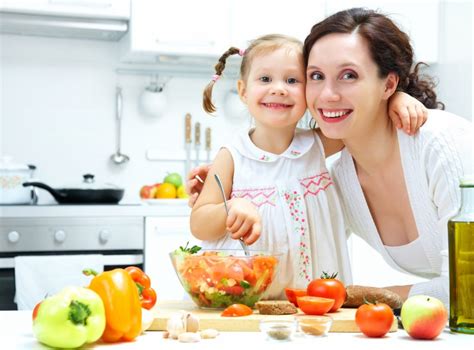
(215, 77)
(241, 52)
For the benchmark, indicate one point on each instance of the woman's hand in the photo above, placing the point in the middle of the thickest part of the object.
(407, 112)
(243, 220)
(194, 183)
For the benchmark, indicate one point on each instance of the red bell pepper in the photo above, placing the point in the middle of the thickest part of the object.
(141, 279)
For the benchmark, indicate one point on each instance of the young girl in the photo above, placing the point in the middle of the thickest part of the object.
(275, 174)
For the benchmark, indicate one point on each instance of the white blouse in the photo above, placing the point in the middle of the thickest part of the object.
(433, 161)
(410, 256)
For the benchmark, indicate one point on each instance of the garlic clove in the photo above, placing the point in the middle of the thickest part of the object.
(189, 337)
(209, 333)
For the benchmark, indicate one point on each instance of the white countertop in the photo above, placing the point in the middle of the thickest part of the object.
(170, 207)
(16, 333)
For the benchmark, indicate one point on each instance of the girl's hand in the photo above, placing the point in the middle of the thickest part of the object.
(243, 220)
(407, 112)
(194, 183)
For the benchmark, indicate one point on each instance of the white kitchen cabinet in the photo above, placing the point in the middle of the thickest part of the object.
(116, 9)
(176, 28)
(164, 32)
(251, 19)
(418, 18)
(163, 235)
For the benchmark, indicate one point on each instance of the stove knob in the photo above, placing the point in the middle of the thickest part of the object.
(60, 236)
(13, 237)
(104, 236)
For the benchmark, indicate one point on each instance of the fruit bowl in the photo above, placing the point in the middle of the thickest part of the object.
(219, 278)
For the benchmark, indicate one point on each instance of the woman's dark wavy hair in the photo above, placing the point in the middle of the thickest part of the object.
(389, 47)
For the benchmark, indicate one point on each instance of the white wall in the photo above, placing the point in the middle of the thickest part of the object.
(58, 112)
(454, 67)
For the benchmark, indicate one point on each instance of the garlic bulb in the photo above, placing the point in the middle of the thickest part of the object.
(192, 323)
(182, 322)
(176, 325)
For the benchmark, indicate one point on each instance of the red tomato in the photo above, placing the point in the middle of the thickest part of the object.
(314, 305)
(223, 270)
(328, 287)
(374, 320)
(249, 275)
(234, 290)
(293, 293)
(237, 310)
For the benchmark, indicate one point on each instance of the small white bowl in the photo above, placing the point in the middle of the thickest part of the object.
(278, 330)
(316, 326)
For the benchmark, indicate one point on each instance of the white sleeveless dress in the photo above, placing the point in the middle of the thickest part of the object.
(301, 214)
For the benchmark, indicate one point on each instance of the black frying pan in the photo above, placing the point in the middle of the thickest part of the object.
(81, 196)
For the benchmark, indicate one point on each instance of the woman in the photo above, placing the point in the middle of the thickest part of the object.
(398, 191)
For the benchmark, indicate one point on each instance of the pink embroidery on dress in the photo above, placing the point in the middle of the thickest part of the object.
(258, 196)
(295, 204)
(315, 184)
(265, 158)
(295, 153)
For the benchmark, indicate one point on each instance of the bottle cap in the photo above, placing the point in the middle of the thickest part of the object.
(467, 181)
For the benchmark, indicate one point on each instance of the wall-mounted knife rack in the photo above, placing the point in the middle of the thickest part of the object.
(192, 147)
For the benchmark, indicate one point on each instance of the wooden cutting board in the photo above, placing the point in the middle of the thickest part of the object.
(344, 319)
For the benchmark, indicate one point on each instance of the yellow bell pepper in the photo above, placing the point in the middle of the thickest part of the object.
(123, 310)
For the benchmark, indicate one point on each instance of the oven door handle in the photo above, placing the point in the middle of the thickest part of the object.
(109, 260)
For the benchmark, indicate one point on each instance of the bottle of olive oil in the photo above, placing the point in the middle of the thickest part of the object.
(461, 262)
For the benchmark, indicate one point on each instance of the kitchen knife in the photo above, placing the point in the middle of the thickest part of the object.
(208, 145)
(197, 140)
(187, 143)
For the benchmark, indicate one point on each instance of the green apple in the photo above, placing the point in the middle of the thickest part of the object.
(174, 179)
(423, 317)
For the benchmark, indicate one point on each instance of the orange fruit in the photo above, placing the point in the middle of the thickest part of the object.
(165, 190)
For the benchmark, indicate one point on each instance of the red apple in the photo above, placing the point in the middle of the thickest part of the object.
(147, 192)
(155, 189)
(423, 317)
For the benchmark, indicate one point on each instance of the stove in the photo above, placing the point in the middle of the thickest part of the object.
(69, 230)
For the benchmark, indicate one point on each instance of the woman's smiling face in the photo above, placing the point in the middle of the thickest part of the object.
(344, 91)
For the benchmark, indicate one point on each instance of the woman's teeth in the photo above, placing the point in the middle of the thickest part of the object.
(335, 114)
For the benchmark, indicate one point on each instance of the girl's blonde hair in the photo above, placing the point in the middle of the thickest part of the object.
(262, 45)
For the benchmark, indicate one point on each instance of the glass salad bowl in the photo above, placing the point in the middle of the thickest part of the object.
(219, 278)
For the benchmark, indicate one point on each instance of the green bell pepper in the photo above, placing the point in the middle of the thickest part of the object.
(73, 317)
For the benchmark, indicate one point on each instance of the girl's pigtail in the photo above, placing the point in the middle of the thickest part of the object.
(207, 94)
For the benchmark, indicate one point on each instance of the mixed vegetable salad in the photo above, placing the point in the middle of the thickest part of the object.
(217, 279)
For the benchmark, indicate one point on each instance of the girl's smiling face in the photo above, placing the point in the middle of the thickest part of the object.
(274, 89)
(344, 92)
